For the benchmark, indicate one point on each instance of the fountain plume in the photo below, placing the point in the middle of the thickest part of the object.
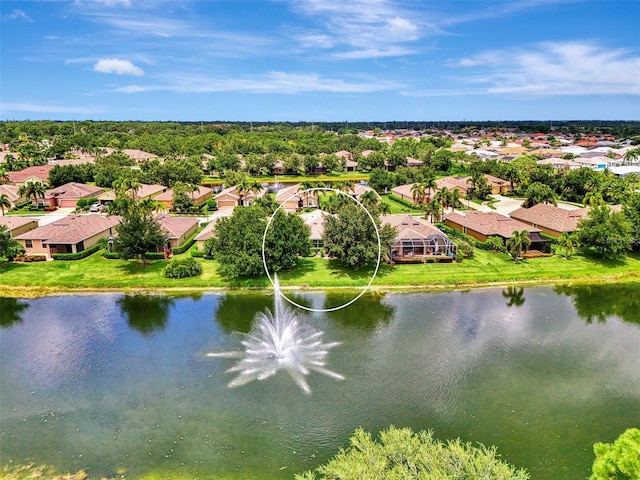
(279, 341)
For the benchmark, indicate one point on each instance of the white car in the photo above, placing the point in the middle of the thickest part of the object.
(96, 207)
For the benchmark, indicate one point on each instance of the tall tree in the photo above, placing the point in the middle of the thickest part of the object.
(9, 247)
(518, 244)
(4, 202)
(607, 233)
(138, 233)
(568, 242)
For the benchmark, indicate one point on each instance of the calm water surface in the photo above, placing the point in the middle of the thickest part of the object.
(113, 383)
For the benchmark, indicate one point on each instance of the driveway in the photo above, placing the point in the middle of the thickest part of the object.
(55, 215)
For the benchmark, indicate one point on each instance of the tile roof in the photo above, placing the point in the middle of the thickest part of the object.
(41, 172)
(410, 227)
(490, 223)
(13, 221)
(175, 227)
(315, 220)
(71, 229)
(553, 218)
(11, 191)
(75, 190)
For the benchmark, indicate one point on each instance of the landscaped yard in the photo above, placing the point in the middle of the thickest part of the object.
(397, 207)
(486, 268)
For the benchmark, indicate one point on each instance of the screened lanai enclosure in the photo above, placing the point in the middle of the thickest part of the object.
(419, 249)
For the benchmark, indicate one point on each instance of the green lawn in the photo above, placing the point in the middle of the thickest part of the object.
(486, 268)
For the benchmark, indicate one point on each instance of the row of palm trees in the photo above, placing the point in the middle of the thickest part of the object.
(441, 201)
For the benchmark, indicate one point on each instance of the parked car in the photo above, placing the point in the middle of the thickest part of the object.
(96, 207)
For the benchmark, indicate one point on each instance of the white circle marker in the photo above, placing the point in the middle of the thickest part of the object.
(375, 272)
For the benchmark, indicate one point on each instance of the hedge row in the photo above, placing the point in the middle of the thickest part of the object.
(401, 201)
(77, 256)
(187, 245)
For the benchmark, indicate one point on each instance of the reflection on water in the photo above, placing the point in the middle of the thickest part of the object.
(83, 389)
(145, 313)
(515, 296)
(11, 311)
(598, 302)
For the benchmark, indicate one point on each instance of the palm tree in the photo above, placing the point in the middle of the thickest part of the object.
(455, 199)
(417, 192)
(518, 244)
(433, 211)
(631, 156)
(370, 200)
(4, 176)
(593, 199)
(149, 205)
(443, 197)
(429, 184)
(4, 202)
(568, 242)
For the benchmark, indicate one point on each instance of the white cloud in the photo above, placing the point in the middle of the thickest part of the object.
(117, 66)
(45, 108)
(356, 25)
(556, 68)
(17, 15)
(272, 82)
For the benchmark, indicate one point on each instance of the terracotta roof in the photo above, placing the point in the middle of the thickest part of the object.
(73, 161)
(315, 220)
(490, 223)
(343, 154)
(12, 221)
(231, 191)
(451, 183)
(41, 172)
(75, 190)
(133, 153)
(149, 190)
(175, 227)
(11, 191)
(71, 229)
(411, 227)
(551, 217)
(167, 195)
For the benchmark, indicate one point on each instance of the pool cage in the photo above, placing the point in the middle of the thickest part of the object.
(433, 245)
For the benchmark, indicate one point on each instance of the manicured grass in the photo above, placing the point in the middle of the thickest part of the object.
(486, 268)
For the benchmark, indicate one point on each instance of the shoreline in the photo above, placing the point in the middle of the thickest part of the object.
(30, 292)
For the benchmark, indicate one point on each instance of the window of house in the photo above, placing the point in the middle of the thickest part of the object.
(28, 243)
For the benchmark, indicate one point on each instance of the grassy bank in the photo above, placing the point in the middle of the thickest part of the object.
(485, 269)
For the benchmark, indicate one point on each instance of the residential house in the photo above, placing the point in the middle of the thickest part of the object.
(230, 197)
(292, 199)
(71, 234)
(209, 230)
(144, 192)
(417, 240)
(482, 225)
(177, 229)
(138, 156)
(39, 173)
(315, 220)
(12, 193)
(560, 163)
(67, 195)
(553, 221)
(18, 225)
(198, 197)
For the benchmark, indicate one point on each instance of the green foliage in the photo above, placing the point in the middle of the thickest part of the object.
(237, 244)
(607, 233)
(351, 237)
(401, 454)
(195, 253)
(9, 248)
(619, 460)
(287, 239)
(401, 201)
(187, 267)
(77, 256)
(539, 193)
(631, 211)
(518, 244)
(495, 243)
(464, 248)
(212, 204)
(138, 232)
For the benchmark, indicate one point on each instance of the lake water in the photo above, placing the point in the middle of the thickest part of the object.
(112, 383)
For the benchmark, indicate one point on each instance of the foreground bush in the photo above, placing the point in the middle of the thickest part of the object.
(403, 454)
(183, 268)
(619, 460)
(30, 472)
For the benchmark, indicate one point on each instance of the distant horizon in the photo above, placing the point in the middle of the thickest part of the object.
(320, 60)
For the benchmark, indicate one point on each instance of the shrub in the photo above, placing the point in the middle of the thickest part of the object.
(148, 255)
(77, 256)
(401, 201)
(212, 204)
(465, 249)
(31, 258)
(195, 253)
(183, 268)
(618, 460)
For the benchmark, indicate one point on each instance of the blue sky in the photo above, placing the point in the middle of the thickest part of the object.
(320, 60)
